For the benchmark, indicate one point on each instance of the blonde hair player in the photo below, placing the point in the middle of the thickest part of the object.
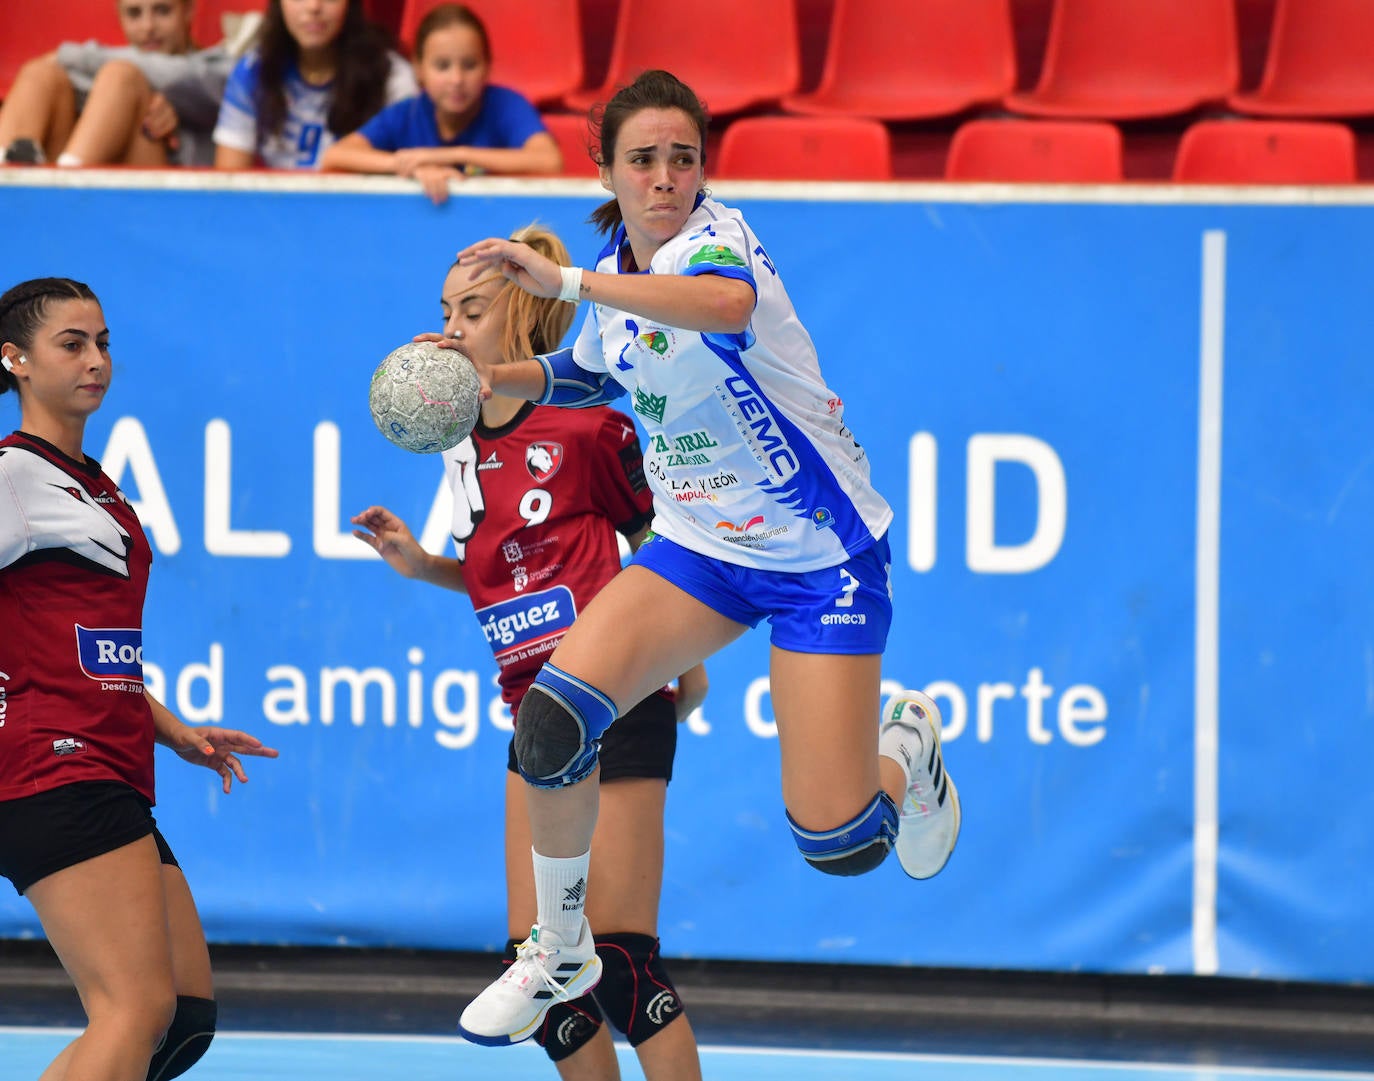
(553, 488)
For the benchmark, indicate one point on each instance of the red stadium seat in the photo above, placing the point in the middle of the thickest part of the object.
(734, 55)
(1131, 59)
(1320, 61)
(209, 18)
(910, 61)
(31, 29)
(536, 45)
(571, 133)
(1040, 151)
(1266, 152)
(804, 148)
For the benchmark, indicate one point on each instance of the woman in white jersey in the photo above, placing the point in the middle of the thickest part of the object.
(763, 510)
(318, 70)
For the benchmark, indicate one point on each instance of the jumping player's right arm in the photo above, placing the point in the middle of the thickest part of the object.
(391, 539)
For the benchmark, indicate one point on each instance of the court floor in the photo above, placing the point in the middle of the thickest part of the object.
(351, 1015)
(236, 1056)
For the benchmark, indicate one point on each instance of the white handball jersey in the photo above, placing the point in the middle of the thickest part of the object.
(747, 451)
(305, 134)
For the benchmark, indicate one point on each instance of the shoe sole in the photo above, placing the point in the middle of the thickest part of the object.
(522, 1034)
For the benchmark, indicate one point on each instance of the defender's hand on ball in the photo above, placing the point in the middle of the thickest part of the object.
(424, 397)
(456, 344)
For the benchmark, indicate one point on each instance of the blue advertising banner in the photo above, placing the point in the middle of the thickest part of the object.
(1128, 445)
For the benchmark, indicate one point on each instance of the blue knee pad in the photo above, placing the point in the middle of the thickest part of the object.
(558, 730)
(854, 848)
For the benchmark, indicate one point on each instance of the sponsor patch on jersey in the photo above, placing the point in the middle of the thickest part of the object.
(650, 405)
(111, 654)
(517, 627)
(70, 745)
(716, 255)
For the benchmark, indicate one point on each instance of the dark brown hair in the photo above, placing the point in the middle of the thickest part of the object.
(24, 307)
(654, 89)
(445, 15)
(362, 66)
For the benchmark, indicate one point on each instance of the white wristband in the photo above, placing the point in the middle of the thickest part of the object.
(572, 284)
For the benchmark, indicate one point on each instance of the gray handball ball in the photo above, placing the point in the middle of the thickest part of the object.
(424, 398)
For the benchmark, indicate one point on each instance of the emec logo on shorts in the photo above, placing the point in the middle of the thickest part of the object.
(848, 587)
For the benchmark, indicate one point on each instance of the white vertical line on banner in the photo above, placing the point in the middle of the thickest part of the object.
(1206, 605)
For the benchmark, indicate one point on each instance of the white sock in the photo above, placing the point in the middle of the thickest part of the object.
(891, 744)
(560, 888)
(69, 161)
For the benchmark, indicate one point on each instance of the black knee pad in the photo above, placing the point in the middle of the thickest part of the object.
(553, 744)
(568, 1026)
(854, 848)
(635, 991)
(855, 863)
(187, 1038)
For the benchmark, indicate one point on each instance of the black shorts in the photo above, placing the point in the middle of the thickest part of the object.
(57, 829)
(642, 743)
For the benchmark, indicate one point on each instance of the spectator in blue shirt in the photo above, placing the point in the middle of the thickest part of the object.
(459, 125)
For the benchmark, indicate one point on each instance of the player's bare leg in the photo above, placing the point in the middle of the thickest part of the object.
(637, 634)
(826, 707)
(106, 918)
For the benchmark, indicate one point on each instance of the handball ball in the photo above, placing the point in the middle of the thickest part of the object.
(424, 398)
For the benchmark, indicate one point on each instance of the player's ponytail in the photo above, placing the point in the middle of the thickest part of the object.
(536, 325)
(22, 310)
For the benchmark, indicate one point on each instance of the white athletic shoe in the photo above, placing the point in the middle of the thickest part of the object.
(546, 970)
(929, 820)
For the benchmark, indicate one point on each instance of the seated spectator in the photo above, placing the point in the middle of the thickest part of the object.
(152, 102)
(319, 69)
(459, 124)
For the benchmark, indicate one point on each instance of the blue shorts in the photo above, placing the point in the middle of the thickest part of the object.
(841, 609)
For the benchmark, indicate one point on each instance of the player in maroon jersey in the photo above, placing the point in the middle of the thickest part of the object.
(539, 496)
(77, 726)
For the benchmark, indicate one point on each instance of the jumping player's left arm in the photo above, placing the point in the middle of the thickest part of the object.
(702, 296)
(705, 302)
(211, 746)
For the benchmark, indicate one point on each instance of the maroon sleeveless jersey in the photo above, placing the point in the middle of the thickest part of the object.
(537, 505)
(73, 572)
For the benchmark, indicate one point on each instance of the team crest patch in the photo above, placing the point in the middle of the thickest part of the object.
(660, 342)
(543, 459)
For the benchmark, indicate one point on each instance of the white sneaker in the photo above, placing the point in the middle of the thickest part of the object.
(546, 970)
(930, 816)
